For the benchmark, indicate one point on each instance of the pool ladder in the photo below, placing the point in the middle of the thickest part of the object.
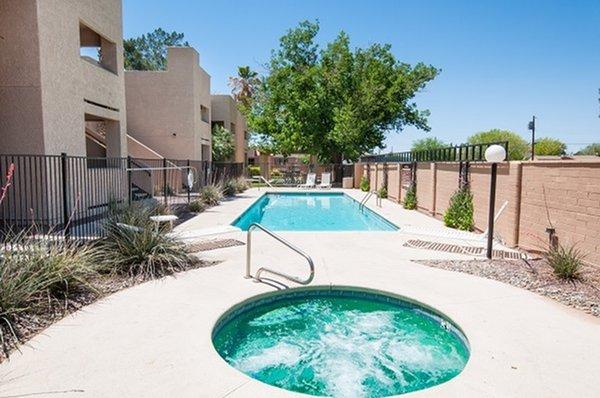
(364, 201)
(262, 270)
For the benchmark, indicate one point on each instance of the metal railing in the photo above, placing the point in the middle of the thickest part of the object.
(60, 196)
(366, 198)
(271, 271)
(458, 153)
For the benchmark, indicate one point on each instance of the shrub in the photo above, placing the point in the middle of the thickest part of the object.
(241, 185)
(364, 184)
(37, 275)
(140, 250)
(229, 188)
(254, 171)
(460, 211)
(382, 192)
(197, 206)
(566, 262)
(410, 199)
(211, 195)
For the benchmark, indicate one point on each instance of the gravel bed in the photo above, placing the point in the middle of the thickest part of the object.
(537, 276)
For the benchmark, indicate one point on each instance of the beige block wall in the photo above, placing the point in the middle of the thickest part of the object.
(164, 107)
(44, 82)
(425, 187)
(507, 190)
(446, 185)
(225, 110)
(566, 196)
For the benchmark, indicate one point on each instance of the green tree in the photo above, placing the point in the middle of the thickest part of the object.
(426, 144)
(518, 148)
(550, 147)
(334, 101)
(223, 146)
(592, 149)
(243, 86)
(149, 51)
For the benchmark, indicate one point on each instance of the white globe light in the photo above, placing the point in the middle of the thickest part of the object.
(495, 154)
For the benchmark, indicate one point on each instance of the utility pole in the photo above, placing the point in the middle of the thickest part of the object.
(532, 128)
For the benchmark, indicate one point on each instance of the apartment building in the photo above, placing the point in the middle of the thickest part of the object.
(61, 78)
(169, 111)
(226, 113)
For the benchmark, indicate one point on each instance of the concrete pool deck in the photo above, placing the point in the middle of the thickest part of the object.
(154, 339)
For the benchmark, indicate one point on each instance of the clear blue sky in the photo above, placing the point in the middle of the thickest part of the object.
(501, 61)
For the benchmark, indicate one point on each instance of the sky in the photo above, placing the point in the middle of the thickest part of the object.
(502, 61)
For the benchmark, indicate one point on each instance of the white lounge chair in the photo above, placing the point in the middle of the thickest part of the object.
(311, 179)
(325, 181)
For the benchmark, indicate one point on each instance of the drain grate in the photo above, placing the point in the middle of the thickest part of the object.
(212, 245)
(452, 248)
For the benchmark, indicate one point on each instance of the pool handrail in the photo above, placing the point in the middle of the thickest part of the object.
(366, 198)
(268, 270)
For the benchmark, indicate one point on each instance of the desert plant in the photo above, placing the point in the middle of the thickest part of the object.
(211, 194)
(410, 199)
(459, 213)
(254, 171)
(382, 192)
(139, 248)
(276, 173)
(240, 185)
(364, 184)
(229, 188)
(197, 206)
(566, 261)
(36, 275)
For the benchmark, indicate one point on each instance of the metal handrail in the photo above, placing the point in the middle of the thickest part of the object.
(268, 270)
(366, 198)
(259, 177)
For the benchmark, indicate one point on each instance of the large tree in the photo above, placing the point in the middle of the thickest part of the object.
(149, 51)
(243, 86)
(518, 148)
(335, 102)
(427, 144)
(550, 146)
(591, 149)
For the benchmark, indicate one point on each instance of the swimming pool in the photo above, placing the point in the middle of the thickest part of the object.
(312, 211)
(341, 342)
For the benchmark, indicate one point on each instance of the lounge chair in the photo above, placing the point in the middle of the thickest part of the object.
(325, 181)
(310, 181)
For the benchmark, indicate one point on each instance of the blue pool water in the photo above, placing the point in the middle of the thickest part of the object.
(312, 212)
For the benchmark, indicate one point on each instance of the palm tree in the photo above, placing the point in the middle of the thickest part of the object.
(243, 86)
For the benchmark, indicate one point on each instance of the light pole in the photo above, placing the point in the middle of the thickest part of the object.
(493, 154)
(531, 126)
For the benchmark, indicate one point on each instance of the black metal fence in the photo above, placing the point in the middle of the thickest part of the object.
(458, 153)
(57, 195)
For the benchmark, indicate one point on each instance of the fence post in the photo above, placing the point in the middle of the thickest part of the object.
(189, 186)
(165, 181)
(65, 192)
(129, 193)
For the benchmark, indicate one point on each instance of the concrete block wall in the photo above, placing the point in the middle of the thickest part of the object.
(565, 196)
(542, 194)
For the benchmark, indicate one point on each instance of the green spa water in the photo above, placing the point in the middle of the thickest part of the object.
(341, 343)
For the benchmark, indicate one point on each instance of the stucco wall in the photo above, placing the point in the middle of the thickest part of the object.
(164, 107)
(225, 110)
(44, 80)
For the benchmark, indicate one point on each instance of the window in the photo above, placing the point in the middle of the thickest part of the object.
(96, 49)
(204, 114)
(233, 128)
